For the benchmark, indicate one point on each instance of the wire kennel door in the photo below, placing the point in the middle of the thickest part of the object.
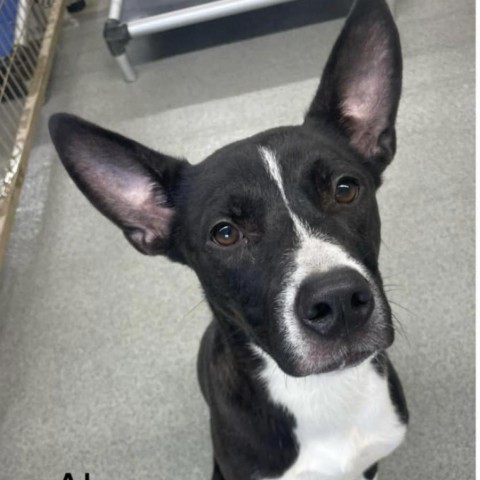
(28, 31)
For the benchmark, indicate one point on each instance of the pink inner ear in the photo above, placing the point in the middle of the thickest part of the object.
(143, 206)
(365, 104)
(364, 113)
(129, 196)
(135, 193)
(363, 100)
(365, 92)
(155, 215)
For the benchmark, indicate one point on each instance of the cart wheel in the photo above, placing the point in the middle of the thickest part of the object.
(76, 6)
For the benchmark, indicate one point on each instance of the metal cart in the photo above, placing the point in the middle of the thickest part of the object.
(128, 19)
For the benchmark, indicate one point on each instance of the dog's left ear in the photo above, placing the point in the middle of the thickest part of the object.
(361, 84)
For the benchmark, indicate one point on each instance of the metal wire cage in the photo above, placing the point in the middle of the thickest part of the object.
(28, 30)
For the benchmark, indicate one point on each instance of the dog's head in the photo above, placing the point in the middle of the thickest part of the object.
(281, 228)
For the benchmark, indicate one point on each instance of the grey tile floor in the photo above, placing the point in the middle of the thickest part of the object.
(98, 343)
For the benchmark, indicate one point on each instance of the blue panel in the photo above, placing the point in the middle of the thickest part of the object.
(8, 15)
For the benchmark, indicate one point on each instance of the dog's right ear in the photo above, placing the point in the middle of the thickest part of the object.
(127, 182)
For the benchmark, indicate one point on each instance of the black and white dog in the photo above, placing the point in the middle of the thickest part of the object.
(283, 232)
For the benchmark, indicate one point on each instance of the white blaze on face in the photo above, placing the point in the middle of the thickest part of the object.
(273, 170)
(315, 254)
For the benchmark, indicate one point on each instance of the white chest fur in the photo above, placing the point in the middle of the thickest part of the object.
(345, 420)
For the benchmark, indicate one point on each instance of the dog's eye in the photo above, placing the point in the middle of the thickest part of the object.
(225, 234)
(346, 190)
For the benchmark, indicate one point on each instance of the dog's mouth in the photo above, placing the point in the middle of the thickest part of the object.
(347, 361)
(317, 356)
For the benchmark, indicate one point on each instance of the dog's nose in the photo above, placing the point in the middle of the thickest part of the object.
(334, 301)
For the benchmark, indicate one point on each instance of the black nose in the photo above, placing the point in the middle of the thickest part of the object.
(334, 301)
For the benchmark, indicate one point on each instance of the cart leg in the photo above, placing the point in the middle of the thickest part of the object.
(117, 36)
(128, 72)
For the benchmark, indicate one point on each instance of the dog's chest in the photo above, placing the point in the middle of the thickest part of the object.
(345, 421)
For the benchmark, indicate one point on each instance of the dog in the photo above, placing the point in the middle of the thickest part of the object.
(283, 231)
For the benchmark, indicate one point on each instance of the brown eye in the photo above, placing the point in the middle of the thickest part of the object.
(346, 190)
(225, 234)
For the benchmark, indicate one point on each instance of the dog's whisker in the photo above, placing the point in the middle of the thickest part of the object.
(393, 302)
(398, 327)
(395, 285)
(189, 312)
